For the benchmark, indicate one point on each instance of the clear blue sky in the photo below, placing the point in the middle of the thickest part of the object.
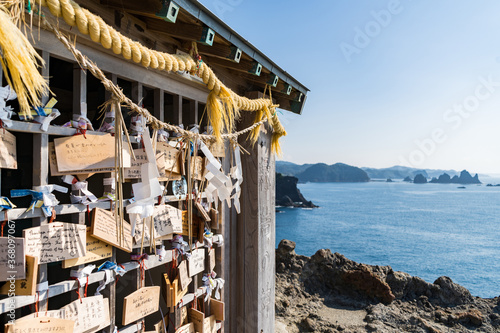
(413, 83)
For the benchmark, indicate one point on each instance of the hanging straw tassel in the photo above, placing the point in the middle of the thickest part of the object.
(19, 63)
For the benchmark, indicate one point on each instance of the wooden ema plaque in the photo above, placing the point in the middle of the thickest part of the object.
(12, 260)
(88, 313)
(204, 214)
(140, 304)
(209, 325)
(104, 227)
(55, 241)
(196, 263)
(197, 318)
(25, 286)
(184, 279)
(167, 219)
(189, 328)
(87, 153)
(194, 228)
(217, 309)
(171, 156)
(41, 324)
(217, 149)
(96, 250)
(197, 167)
(8, 152)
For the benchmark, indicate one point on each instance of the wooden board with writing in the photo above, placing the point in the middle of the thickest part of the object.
(167, 220)
(50, 313)
(217, 149)
(8, 153)
(217, 309)
(87, 312)
(189, 328)
(215, 222)
(197, 318)
(209, 325)
(211, 260)
(54, 171)
(87, 152)
(96, 250)
(185, 224)
(104, 228)
(140, 304)
(12, 260)
(197, 261)
(171, 157)
(55, 241)
(202, 211)
(41, 324)
(134, 172)
(198, 167)
(184, 279)
(107, 319)
(25, 286)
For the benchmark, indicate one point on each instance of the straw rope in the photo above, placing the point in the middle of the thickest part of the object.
(118, 94)
(223, 104)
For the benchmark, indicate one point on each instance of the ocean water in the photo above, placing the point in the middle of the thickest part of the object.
(427, 230)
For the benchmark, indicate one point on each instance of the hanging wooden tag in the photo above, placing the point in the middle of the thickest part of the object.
(140, 304)
(197, 167)
(197, 318)
(209, 325)
(96, 250)
(214, 219)
(55, 241)
(41, 324)
(54, 171)
(217, 309)
(211, 259)
(88, 313)
(202, 211)
(171, 156)
(88, 152)
(167, 220)
(217, 149)
(184, 279)
(189, 328)
(104, 228)
(12, 260)
(168, 291)
(185, 224)
(107, 319)
(49, 313)
(197, 261)
(25, 286)
(8, 152)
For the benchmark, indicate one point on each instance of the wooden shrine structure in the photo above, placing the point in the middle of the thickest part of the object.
(244, 243)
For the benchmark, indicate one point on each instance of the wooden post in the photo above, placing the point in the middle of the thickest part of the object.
(177, 109)
(109, 189)
(193, 113)
(41, 174)
(256, 225)
(159, 101)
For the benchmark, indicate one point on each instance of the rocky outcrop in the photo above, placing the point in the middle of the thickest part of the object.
(329, 293)
(464, 178)
(419, 179)
(339, 172)
(287, 193)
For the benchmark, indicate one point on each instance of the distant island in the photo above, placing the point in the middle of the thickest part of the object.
(340, 172)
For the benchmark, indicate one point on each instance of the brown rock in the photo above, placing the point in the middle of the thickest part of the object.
(364, 280)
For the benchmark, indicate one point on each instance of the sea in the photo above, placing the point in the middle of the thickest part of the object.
(427, 230)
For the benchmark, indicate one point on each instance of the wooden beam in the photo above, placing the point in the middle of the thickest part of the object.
(185, 31)
(143, 7)
(243, 66)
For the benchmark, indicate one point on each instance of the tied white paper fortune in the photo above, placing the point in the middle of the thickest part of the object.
(44, 117)
(79, 121)
(148, 189)
(219, 185)
(42, 197)
(82, 274)
(82, 187)
(237, 176)
(6, 112)
(212, 283)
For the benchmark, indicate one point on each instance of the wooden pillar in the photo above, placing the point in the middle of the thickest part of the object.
(159, 102)
(109, 189)
(256, 235)
(79, 108)
(193, 113)
(177, 109)
(41, 175)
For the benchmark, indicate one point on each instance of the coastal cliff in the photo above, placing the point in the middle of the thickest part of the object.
(329, 293)
(288, 194)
